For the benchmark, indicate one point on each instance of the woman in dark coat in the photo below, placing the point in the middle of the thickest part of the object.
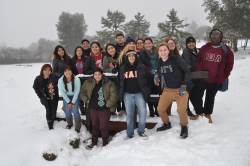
(45, 86)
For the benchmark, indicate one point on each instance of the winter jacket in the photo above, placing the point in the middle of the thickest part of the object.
(142, 80)
(65, 94)
(150, 60)
(41, 87)
(88, 65)
(59, 65)
(174, 72)
(109, 91)
(190, 57)
(106, 61)
(212, 59)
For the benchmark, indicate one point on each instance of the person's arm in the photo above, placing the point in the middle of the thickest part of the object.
(37, 88)
(229, 63)
(76, 90)
(62, 90)
(187, 58)
(113, 96)
(187, 74)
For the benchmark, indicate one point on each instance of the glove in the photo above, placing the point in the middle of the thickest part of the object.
(182, 90)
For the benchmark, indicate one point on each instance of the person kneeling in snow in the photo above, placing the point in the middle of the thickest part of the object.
(100, 96)
(174, 76)
(69, 87)
(45, 86)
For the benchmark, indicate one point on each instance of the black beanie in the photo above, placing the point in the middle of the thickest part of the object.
(190, 39)
(129, 40)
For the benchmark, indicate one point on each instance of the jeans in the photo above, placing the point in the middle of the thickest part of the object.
(131, 100)
(75, 110)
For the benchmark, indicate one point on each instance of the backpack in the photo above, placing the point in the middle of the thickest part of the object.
(224, 85)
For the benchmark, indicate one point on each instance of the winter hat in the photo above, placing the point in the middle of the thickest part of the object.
(131, 52)
(190, 39)
(129, 40)
(218, 30)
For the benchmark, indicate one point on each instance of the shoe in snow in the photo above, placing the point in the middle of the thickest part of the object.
(90, 146)
(164, 127)
(209, 118)
(184, 132)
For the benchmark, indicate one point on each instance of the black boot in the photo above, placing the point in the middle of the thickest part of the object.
(184, 132)
(51, 124)
(190, 114)
(164, 127)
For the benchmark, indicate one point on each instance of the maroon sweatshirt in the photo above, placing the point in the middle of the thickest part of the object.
(211, 58)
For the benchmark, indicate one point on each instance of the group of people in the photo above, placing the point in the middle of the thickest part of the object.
(141, 69)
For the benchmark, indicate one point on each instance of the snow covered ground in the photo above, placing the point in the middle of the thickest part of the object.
(24, 134)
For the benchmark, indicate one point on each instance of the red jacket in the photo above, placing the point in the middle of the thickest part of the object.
(212, 59)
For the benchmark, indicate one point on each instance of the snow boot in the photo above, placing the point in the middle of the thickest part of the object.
(184, 132)
(90, 146)
(70, 123)
(164, 127)
(209, 118)
(50, 124)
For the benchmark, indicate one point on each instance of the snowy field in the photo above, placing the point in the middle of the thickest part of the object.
(24, 134)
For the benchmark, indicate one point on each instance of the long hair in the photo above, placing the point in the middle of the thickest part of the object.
(106, 50)
(72, 80)
(98, 44)
(176, 50)
(75, 56)
(123, 53)
(45, 66)
(65, 56)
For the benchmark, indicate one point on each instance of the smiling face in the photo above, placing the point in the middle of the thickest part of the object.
(79, 53)
(111, 50)
(191, 45)
(148, 45)
(171, 45)
(139, 44)
(120, 40)
(215, 37)
(163, 52)
(131, 46)
(85, 45)
(68, 74)
(131, 58)
(95, 49)
(46, 72)
(98, 76)
(60, 52)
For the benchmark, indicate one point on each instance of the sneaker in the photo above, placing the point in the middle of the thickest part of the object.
(209, 118)
(142, 135)
(184, 132)
(164, 127)
(90, 146)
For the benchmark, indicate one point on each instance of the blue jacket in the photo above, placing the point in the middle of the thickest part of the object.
(65, 94)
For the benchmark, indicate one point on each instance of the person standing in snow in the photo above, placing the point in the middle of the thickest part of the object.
(149, 57)
(134, 90)
(174, 78)
(100, 95)
(190, 55)
(45, 86)
(218, 59)
(120, 42)
(69, 88)
(60, 61)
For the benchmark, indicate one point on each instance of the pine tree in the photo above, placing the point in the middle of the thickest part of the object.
(71, 28)
(137, 28)
(173, 26)
(112, 24)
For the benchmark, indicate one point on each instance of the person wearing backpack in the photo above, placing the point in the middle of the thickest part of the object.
(216, 58)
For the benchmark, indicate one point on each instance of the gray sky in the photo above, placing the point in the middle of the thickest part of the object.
(25, 21)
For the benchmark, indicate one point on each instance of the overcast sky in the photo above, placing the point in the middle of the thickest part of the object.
(25, 21)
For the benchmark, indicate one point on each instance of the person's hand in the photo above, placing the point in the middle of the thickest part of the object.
(157, 82)
(70, 106)
(111, 65)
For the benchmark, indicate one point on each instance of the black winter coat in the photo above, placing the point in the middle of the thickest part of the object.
(190, 57)
(142, 81)
(41, 87)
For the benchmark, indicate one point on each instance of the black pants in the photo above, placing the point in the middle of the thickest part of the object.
(51, 108)
(197, 94)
